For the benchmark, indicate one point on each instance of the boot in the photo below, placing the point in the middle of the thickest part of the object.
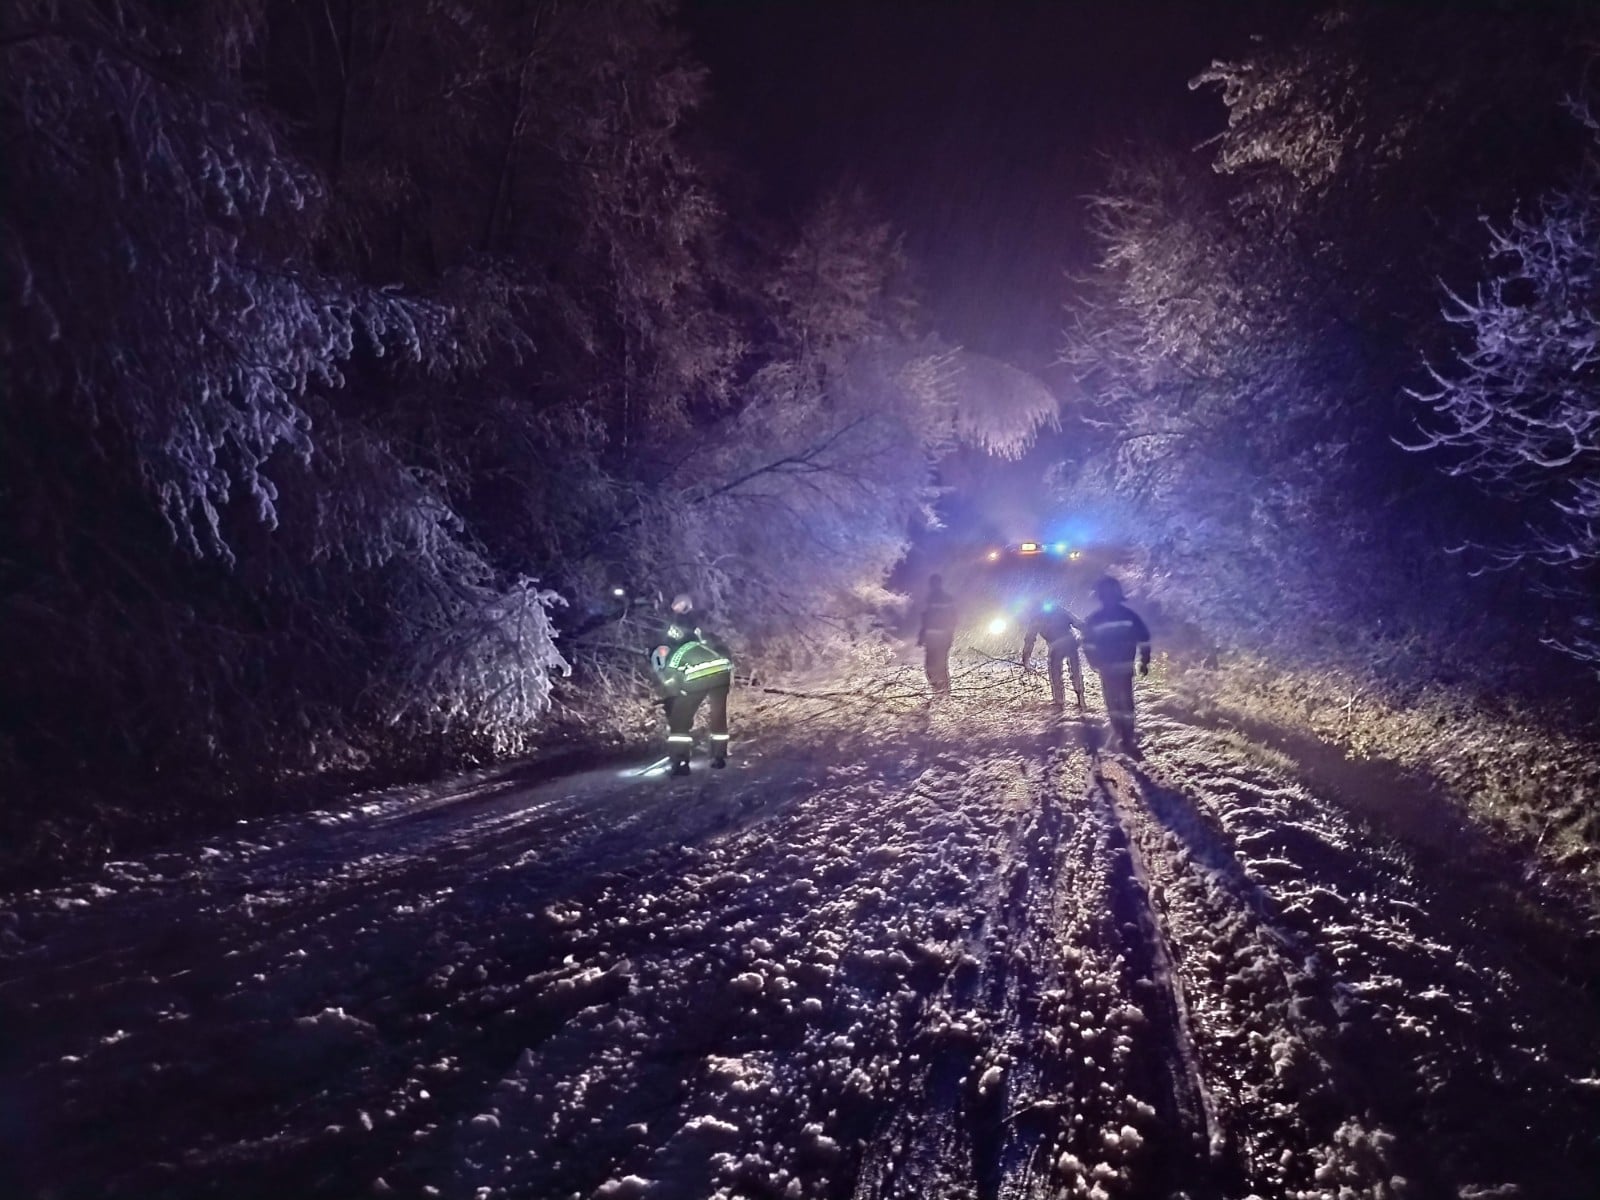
(1130, 742)
(718, 763)
(680, 768)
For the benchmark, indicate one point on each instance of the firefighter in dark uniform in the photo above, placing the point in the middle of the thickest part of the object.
(937, 634)
(690, 667)
(1059, 629)
(1113, 636)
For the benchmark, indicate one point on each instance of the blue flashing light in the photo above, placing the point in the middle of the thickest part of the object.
(1061, 547)
(1049, 606)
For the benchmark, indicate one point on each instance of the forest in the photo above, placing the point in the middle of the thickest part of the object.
(371, 370)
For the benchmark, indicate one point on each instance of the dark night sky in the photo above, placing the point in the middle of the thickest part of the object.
(978, 129)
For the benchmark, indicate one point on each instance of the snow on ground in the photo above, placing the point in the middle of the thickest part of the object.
(898, 949)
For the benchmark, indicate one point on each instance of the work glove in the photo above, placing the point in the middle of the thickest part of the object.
(1144, 666)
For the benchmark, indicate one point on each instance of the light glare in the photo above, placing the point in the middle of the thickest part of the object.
(659, 767)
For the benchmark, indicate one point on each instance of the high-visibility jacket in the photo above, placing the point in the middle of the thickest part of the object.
(688, 660)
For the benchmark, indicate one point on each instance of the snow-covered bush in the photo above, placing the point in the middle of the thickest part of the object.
(485, 663)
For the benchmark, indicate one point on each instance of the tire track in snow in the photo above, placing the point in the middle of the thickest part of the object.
(932, 955)
(949, 1130)
(240, 1021)
(1202, 1157)
(1071, 983)
(1359, 1028)
(909, 983)
(1267, 982)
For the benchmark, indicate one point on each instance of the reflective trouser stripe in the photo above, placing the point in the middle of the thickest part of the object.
(680, 737)
(720, 737)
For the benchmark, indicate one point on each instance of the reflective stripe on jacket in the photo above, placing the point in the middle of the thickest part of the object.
(692, 666)
(939, 616)
(1113, 635)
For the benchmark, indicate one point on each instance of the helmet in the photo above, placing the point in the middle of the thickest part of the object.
(1107, 590)
(682, 602)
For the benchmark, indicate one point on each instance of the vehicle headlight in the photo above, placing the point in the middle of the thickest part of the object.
(998, 625)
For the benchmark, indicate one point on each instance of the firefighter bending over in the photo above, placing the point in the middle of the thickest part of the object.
(1112, 636)
(1059, 629)
(937, 634)
(691, 666)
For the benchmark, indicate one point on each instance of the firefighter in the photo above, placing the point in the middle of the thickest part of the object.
(1113, 635)
(936, 635)
(1059, 629)
(692, 666)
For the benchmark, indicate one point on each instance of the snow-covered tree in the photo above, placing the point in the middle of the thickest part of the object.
(1520, 404)
(178, 355)
(1223, 435)
(780, 507)
(345, 344)
(1249, 336)
(1000, 408)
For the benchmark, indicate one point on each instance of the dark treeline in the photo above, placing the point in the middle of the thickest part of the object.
(355, 352)
(1342, 357)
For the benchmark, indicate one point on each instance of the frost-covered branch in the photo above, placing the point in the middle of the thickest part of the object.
(1519, 408)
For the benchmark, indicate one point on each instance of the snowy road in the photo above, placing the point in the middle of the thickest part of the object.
(894, 952)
